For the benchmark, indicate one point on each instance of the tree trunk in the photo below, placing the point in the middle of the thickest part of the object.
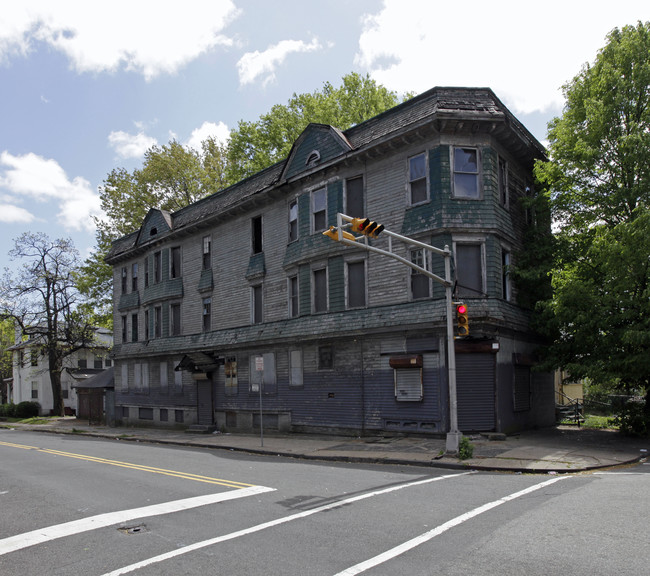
(55, 381)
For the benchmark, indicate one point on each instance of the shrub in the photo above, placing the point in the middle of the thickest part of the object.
(465, 449)
(27, 409)
(633, 420)
(7, 410)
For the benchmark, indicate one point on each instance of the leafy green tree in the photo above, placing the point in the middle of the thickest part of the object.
(41, 299)
(598, 178)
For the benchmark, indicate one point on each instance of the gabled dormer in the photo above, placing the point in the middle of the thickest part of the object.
(318, 144)
(156, 223)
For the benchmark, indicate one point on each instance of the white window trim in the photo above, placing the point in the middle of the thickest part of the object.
(426, 178)
(312, 211)
(479, 184)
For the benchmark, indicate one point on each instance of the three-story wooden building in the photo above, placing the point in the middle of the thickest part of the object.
(240, 293)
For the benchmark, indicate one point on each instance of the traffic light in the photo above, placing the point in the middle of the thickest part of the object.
(367, 227)
(333, 233)
(461, 320)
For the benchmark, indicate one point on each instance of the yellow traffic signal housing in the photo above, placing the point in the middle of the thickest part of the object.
(367, 227)
(333, 233)
(462, 322)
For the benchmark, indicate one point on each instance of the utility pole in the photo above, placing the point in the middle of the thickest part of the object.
(370, 229)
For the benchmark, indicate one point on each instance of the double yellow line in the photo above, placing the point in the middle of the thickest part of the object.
(163, 471)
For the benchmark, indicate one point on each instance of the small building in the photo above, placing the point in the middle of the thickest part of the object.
(31, 376)
(236, 311)
(96, 397)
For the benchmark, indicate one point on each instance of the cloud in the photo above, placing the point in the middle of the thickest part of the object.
(10, 214)
(32, 177)
(129, 145)
(524, 55)
(255, 64)
(150, 38)
(220, 132)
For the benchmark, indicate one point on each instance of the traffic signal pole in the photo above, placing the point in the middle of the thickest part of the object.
(341, 234)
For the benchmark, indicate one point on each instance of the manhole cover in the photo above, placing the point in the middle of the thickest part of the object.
(139, 529)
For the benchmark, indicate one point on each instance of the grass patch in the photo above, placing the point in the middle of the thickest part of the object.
(34, 420)
(595, 422)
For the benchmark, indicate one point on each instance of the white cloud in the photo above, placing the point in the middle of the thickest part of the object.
(147, 37)
(219, 132)
(255, 64)
(524, 52)
(10, 214)
(130, 145)
(32, 177)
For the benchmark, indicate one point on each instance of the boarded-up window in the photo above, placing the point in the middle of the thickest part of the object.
(469, 270)
(354, 197)
(295, 369)
(356, 284)
(230, 371)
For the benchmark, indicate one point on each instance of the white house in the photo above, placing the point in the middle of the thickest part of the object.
(31, 377)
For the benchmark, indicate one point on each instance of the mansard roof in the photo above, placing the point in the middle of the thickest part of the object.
(444, 109)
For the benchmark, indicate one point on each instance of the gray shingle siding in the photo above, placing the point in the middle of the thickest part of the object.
(358, 392)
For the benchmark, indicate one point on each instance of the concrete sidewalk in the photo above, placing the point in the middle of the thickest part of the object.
(551, 450)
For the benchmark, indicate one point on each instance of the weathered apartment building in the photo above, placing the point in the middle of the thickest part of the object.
(239, 300)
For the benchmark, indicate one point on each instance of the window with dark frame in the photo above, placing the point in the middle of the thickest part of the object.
(134, 277)
(124, 279)
(175, 317)
(124, 332)
(134, 328)
(146, 272)
(175, 264)
(354, 205)
(257, 304)
(503, 183)
(293, 220)
(325, 358)
(294, 300)
(466, 173)
(319, 209)
(420, 284)
(157, 267)
(356, 284)
(418, 179)
(207, 253)
(207, 314)
(505, 275)
(146, 324)
(157, 321)
(256, 235)
(320, 290)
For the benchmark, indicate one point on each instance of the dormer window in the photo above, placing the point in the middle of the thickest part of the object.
(153, 231)
(313, 158)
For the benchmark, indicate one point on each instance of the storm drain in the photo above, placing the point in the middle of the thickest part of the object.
(139, 529)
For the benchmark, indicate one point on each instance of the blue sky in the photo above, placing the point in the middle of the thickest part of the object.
(86, 87)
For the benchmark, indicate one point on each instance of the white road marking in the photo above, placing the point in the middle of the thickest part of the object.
(406, 546)
(42, 535)
(272, 523)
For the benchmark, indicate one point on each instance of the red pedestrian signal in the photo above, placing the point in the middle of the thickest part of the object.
(367, 227)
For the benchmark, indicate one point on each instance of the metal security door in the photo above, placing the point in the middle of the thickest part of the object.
(476, 384)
